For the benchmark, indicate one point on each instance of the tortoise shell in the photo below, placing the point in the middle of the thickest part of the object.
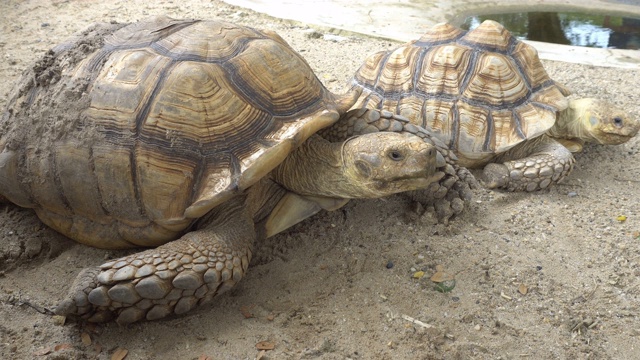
(125, 134)
(481, 92)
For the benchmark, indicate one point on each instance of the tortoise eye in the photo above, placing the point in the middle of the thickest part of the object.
(395, 155)
(617, 121)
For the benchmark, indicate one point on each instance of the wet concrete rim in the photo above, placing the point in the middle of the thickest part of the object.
(405, 20)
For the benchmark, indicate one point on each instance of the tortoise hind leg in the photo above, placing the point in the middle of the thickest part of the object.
(537, 164)
(171, 279)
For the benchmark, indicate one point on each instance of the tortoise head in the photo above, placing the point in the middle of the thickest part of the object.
(604, 122)
(384, 163)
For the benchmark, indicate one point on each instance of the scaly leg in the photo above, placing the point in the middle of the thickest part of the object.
(171, 279)
(536, 164)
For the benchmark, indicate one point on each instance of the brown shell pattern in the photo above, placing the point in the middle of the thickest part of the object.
(481, 91)
(179, 116)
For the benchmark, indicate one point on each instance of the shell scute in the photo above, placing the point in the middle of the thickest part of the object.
(495, 81)
(443, 70)
(490, 35)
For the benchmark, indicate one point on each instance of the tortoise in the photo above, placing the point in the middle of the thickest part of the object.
(488, 97)
(193, 138)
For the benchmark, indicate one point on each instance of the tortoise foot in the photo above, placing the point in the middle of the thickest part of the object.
(526, 175)
(172, 279)
(495, 176)
(449, 195)
(77, 300)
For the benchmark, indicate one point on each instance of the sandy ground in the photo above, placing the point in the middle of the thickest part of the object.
(549, 275)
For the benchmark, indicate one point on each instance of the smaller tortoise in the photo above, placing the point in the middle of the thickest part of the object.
(487, 96)
(195, 137)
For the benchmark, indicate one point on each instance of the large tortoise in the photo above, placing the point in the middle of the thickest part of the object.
(488, 97)
(198, 137)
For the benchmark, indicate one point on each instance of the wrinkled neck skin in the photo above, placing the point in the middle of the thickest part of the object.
(316, 169)
(573, 123)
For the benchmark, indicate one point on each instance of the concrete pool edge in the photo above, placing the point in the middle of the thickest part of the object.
(371, 18)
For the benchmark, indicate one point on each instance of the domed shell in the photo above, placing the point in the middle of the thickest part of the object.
(144, 128)
(481, 92)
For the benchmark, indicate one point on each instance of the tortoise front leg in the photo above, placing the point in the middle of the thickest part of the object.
(171, 279)
(537, 164)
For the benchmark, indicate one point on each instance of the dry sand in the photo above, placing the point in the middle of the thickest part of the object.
(549, 275)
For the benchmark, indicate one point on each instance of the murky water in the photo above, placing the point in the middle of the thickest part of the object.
(591, 30)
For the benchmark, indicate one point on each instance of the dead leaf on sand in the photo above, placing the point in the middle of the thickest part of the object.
(119, 354)
(265, 345)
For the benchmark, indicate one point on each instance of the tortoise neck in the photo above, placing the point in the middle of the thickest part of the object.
(316, 169)
(573, 122)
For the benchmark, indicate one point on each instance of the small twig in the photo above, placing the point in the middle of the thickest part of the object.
(369, 15)
(417, 322)
(569, 184)
(44, 310)
(14, 301)
(617, 178)
(590, 295)
(502, 294)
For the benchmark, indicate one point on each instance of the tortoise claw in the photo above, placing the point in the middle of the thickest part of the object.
(77, 300)
(495, 176)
